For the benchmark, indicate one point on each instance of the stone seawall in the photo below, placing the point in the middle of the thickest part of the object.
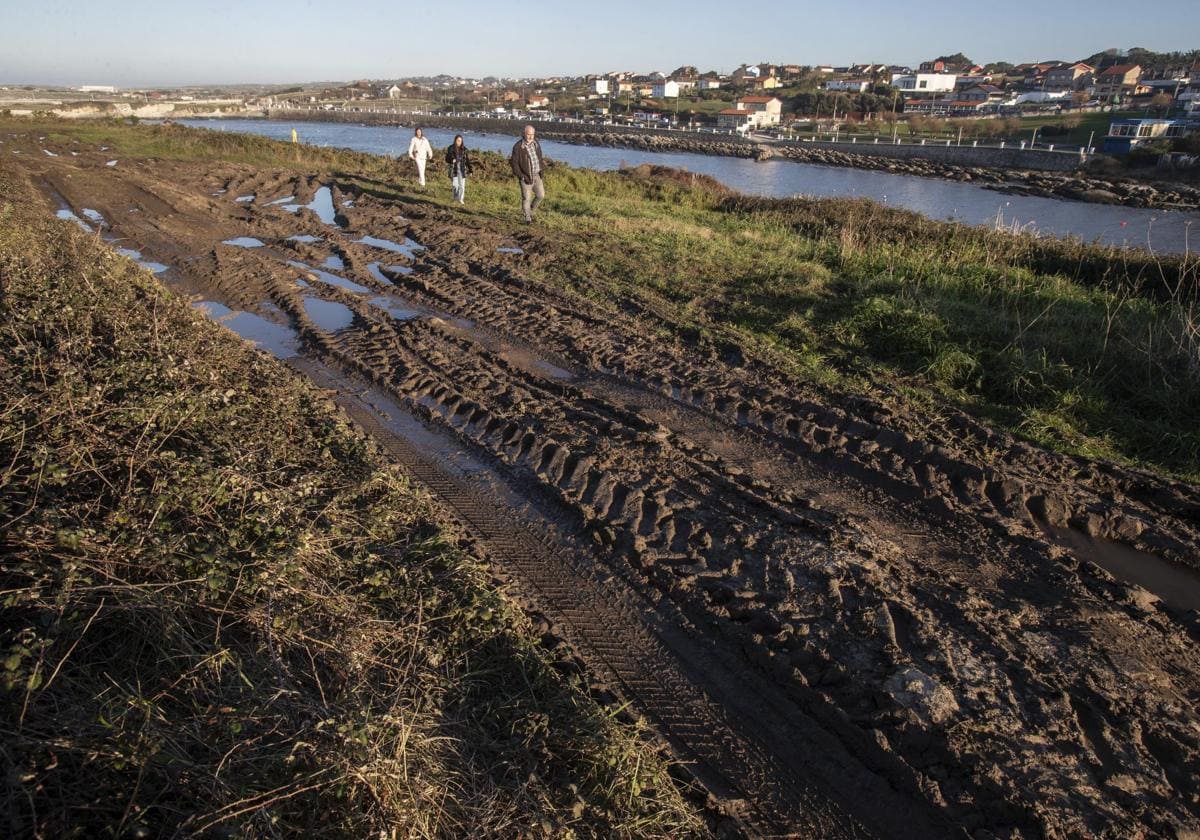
(1007, 158)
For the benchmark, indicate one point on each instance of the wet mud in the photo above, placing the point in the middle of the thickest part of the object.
(847, 620)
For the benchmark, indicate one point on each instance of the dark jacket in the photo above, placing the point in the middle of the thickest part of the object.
(462, 156)
(520, 161)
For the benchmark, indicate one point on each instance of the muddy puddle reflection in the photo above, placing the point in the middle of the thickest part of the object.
(136, 256)
(408, 249)
(322, 205)
(329, 315)
(376, 272)
(278, 340)
(331, 279)
(69, 216)
(395, 310)
(1175, 585)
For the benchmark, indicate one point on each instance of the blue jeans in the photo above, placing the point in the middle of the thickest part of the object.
(460, 187)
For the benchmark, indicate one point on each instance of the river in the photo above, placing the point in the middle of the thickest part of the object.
(1164, 231)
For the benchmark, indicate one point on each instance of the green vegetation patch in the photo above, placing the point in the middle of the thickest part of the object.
(225, 615)
(1083, 348)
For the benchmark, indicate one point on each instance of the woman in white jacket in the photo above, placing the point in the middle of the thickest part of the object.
(421, 152)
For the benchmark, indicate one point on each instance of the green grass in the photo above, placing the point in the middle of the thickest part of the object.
(1082, 348)
(224, 614)
(1078, 135)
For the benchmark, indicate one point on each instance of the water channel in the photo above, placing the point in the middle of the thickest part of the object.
(1161, 230)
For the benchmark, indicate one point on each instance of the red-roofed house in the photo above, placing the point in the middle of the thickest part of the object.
(1075, 76)
(1118, 82)
(981, 93)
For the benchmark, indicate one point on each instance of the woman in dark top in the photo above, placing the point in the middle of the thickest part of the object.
(458, 161)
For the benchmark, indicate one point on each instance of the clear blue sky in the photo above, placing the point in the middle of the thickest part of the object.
(137, 42)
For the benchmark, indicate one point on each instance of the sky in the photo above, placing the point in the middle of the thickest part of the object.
(134, 43)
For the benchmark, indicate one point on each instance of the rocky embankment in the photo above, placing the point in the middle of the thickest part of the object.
(1077, 186)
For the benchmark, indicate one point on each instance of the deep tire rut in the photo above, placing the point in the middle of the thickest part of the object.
(731, 741)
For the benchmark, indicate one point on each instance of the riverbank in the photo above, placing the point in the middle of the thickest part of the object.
(228, 614)
(1079, 185)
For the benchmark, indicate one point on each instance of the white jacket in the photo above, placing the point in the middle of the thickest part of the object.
(419, 149)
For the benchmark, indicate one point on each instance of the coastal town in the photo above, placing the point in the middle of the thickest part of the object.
(1155, 98)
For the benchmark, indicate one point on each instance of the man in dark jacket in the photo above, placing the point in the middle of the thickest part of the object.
(528, 164)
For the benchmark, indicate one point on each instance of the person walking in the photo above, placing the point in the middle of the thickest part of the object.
(528, 164)
(458, 162)
(421, 152)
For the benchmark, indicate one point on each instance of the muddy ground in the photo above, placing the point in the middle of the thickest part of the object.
(847, 621)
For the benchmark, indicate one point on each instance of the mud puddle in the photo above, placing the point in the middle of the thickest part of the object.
(376, 272)
(95, 217)
(395, 310)
(321, 205)
(1177, 586)
(280, 341)
(136, 256)
(408, 248)
(330, 278)
(244, 242)
(69, 216)
(329, 315)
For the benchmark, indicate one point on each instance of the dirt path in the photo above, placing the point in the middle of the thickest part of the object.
(847, 622)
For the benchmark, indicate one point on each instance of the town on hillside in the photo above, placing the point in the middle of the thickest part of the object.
(1153, 99)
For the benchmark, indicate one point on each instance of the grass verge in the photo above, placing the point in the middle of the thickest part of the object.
(225, 615)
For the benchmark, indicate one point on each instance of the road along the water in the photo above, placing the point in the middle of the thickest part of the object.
(1165, 231)
(847, 621)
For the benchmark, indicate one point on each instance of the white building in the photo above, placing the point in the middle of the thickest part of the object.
(737, 119)
(600, 86)
(766, 110)
(928, 84)
(709, 84)
(665, 89)
(97, 88)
